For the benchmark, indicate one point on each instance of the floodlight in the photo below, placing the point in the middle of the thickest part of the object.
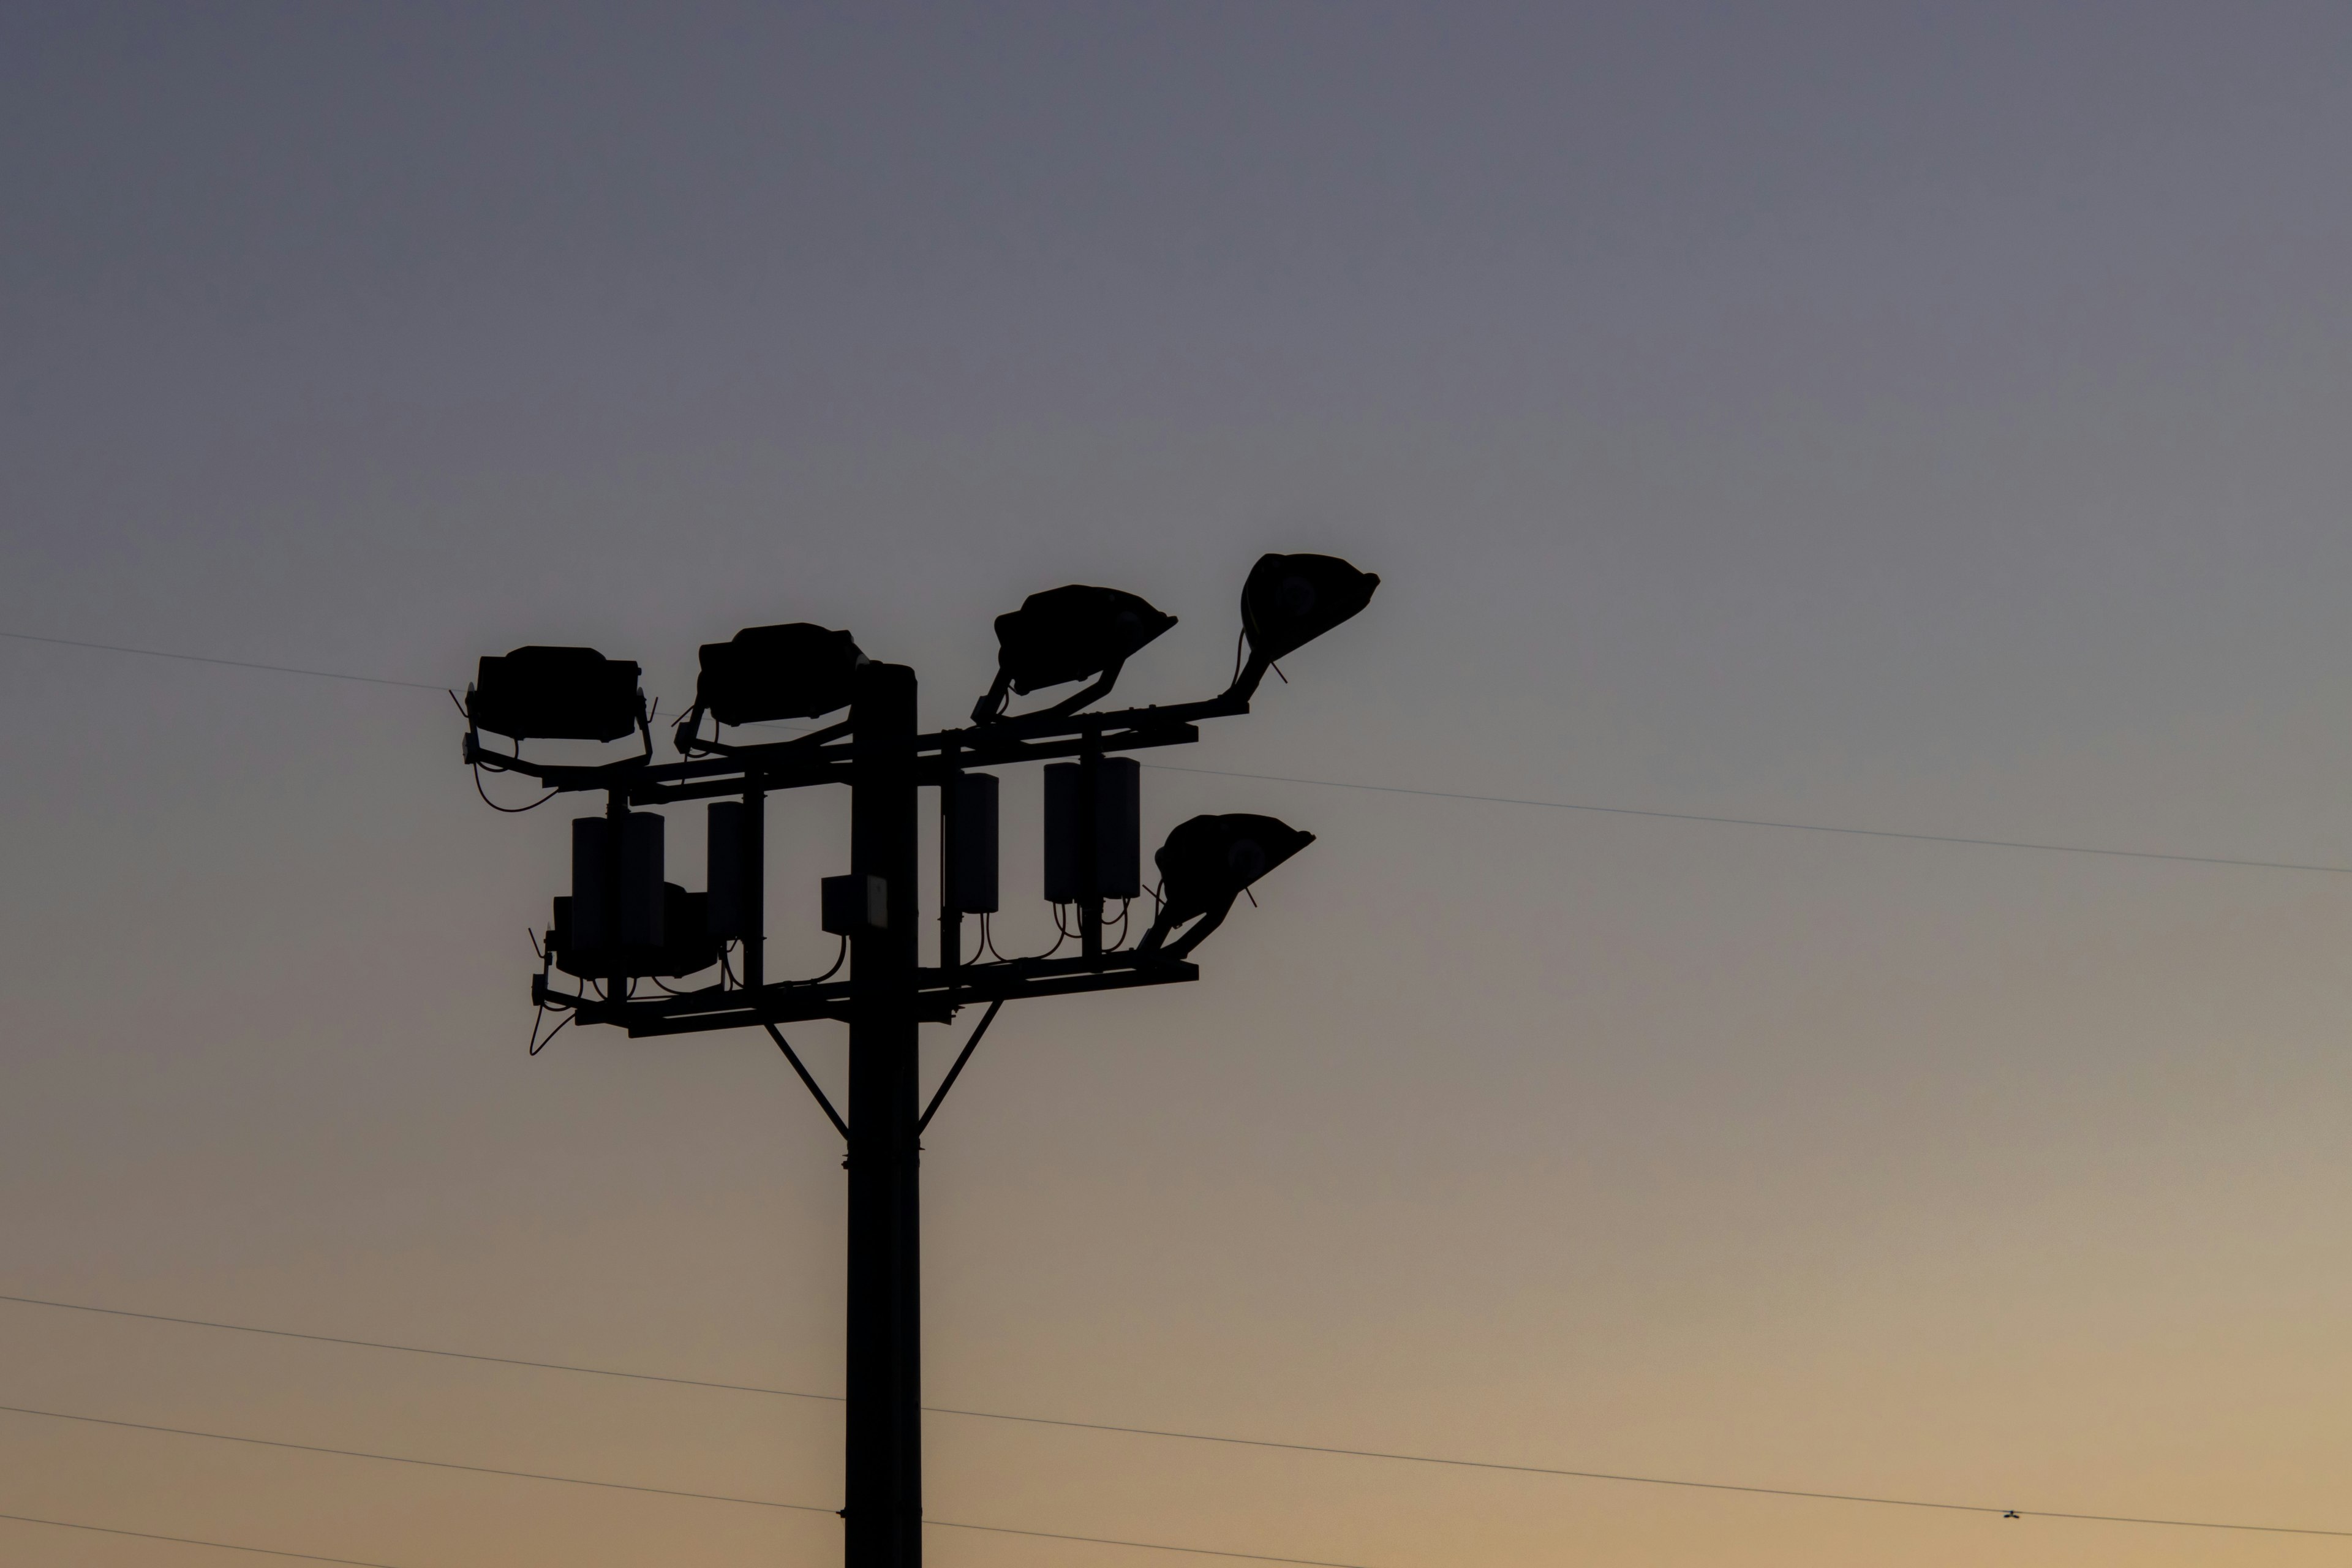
(684, 945)
(1288, 601)
(556, 694)
(1205, 865)
(765, 673)
(1064, 635)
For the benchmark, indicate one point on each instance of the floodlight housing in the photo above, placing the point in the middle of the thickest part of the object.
(1068, 634)
(1288, 601)
(684, 945)
(556, 694)
(766, 673)
(1205, 865)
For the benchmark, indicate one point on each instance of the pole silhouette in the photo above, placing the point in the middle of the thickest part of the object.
(623, 923)
(883, 1511)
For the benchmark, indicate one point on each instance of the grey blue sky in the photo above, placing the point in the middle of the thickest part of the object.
(1922, 417)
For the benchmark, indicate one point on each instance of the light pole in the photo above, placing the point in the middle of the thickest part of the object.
(883, 1513)
(623, 922)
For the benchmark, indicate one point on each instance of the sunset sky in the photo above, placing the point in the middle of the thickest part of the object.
(1923, 418)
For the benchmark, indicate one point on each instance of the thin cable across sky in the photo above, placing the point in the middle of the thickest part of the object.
(576, 1482)
(1994, 1509)
(1658, 813)
(1998, 1511)
(928, 1523)
(189, 1540)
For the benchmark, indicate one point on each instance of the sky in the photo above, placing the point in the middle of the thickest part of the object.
(1913, 417)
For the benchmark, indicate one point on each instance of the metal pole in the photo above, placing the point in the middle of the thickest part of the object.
(951, 917)
(1090, 904)
(617, 883)
(883, 1511)
(755, 888)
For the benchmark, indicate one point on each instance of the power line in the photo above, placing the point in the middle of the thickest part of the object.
(1393, 789)
(405, 1459)
(1768, 822)
(1141, 1546)
(1992, 1508)
(229, 663)
(934, 1523)
(1454, 1463)
(417, 1350)
(579, 1481)
(189, 1540)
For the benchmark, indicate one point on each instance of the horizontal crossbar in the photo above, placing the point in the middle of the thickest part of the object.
(937, 994)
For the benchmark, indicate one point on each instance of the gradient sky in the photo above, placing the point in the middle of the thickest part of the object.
(1927, 417)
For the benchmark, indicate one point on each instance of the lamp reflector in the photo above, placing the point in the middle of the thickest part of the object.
(765, 673)
(1288, 601)
(686, 946)
(1208, 860)
(1069, 634)
(555, 694)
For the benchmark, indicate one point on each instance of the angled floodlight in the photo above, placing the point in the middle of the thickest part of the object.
(1291, 600)
(1064, 635)
(766, 673)
(1204, 866)
(684, 945)
(556, 694)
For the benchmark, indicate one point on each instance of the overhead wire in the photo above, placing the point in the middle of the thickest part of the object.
(930, 1523)
(1723, 820)
(190, 1541)
(1525, 802)
(1456, 1463)
(230, 663)
(602, 1485)
(412, 1350)
(408, 1459)
(612, 1486)
(1997, 1509)
(1142, 1545)
(1769, 822)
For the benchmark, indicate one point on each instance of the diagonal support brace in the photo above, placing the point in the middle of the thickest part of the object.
(786, 1047)
(948, 1082)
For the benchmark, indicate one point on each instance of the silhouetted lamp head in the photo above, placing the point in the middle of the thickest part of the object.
(1291, 600)
(1068, 634)
(766, 673)
(556, 694)
(1206, 864)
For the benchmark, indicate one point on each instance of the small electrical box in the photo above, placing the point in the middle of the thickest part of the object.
(856, 905)
(970, 860)
(733, 871)
(1118, 824)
